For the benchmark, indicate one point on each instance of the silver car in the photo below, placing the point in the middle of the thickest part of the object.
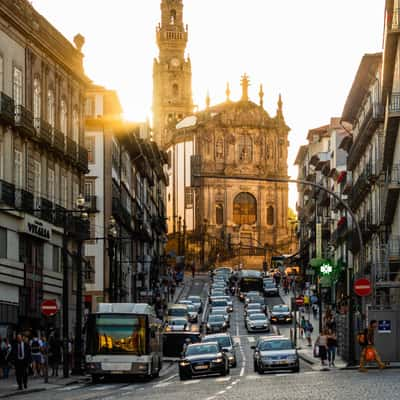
(226, 343)
(275, 353)
(257, 323)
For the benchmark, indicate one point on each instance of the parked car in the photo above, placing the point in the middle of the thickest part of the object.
(203, 359)
(275, 353)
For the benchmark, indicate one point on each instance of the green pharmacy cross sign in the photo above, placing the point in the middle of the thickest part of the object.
(326, 269)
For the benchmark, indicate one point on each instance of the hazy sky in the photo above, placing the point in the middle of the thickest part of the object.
(307, 50)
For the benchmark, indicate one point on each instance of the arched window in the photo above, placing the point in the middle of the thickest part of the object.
(244, 209)
(75, 125)
(219, 214)
(51, 108)
(63, 117)
(219, 149)
(37, 104)
(175, 90)
(270, 215)
(245, 148)
(172, 18)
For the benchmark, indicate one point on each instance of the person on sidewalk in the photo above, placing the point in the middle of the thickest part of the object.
(322, 343)
(21, 354)
(369, 345)
(36, 346)
(5, 350)
(302, 327)
(332, 345)
(308, 330)
(55, 346)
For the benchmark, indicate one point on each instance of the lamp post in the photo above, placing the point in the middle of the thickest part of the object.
(112, 235)
(78, 356)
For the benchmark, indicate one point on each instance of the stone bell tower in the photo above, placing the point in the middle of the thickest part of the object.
(172, 72)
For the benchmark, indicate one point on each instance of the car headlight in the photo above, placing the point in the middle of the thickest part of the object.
(292, 358)
(184, 363)
(218, 360)
(231, 358)
(168, 329)
(208, 326)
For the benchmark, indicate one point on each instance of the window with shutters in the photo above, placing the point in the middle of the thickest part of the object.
(75, 126)
(63, 117)
(3, 242)
(37, 103)
(50, 185)
(51, 108)
(90, 269)
(37, 178)
(18, 168)
(90, 143)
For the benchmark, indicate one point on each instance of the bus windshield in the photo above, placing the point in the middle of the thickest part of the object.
(116, 334)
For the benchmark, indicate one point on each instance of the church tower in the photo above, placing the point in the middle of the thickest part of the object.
(172, 72)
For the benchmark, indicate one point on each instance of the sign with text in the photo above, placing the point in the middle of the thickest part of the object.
(35, 227)
(362, 287)
(385, 326)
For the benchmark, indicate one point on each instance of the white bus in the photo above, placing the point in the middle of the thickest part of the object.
(124, 339)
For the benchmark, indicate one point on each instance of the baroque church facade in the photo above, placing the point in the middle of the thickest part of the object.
(229, 210)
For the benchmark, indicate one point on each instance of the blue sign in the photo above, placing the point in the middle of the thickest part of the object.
(384, 326)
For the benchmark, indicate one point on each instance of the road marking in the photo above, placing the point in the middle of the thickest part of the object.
(236, 339)
(229, 387)
(237, 329)
(169, 378)
(252, 376)
(210, 398)
(236, 382)
(224, 379)
(68, 388)
(251, 339)
(221, 392)
(242, 371)
(191, 382)
(141, 388)
(100, 388)
(164, 384)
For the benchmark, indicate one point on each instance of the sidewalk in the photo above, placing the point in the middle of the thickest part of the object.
(9, 387)
(307, 352)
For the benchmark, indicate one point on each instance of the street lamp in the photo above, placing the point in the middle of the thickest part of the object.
(78, 356)
(112, 235)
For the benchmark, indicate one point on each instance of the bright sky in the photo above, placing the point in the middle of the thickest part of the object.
(307, 50)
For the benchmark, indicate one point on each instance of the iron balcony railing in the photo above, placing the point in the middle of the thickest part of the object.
(394, 106)
(71, 148)
(7, 193)
(24, 121)
(6, 109)
(44, 130)
(393, 177)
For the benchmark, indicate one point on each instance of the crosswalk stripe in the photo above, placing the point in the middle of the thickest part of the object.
(251, 339)
(164, 384)
(224, 379)
(100, 388)
(191, 382)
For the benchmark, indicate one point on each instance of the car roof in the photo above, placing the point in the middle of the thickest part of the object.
(217, 335)
(253, 314)
(280, 305)
(194, 297)
(200, 343)
(271, 338)
(251, 305)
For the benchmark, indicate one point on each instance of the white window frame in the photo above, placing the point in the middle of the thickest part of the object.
(17, 85)
(75, 125)
(51, 184)
(63, 117)
(37, 101)
(18, 168)
(51, 108)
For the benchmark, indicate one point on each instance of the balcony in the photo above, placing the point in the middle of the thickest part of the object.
(71, 149)
(391, 129)
(43, 131)
(58, 141)
(91, 203)
(359, 191)
(392, 194)
(6, 109)
(7, 193)
(24, 200)
(24, 121)
(159, 224)
(78, 227)
(46, 209)
(121, 213)
(59, 215)
(83, 159)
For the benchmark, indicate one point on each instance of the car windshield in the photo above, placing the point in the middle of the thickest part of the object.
(257, 316)
(254, 306)
(177, 321)
(191, 308)
(249, 294)
(269, 285)
(219, 303)
(257, 300)
(216, 318)
(280, 309)
(194, 299)
(223, 341)
(202, 349)
(283, 344)
(177, 312)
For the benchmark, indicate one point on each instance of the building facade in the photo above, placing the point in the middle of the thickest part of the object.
(126, 184)
(172, 71)
(42, 164)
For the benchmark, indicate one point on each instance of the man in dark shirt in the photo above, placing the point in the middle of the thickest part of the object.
(22, 357)
(370, 344)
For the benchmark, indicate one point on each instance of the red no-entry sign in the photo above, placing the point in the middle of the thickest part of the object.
(49, 307)
(362, 287)
(299, 301)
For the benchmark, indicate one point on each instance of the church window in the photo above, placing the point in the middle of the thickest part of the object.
(172, 19)
(219, 149)
(175, 90)
(270, 215)
(244, 209)
(219, 214)
(245, 148)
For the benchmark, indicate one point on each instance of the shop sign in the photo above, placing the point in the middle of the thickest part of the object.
(37, 228)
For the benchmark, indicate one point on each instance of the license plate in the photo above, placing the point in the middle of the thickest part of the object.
(115, 366)
(200, 367)
(282, 362)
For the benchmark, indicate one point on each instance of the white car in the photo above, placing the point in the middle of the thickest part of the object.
(177, 324)
(257, 322)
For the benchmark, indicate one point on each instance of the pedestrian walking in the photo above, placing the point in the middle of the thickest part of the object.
(302, 326)
(54, 354)
(36, 346)
(193, 270)
(322, 343)
(368, 351)
(21, 355)
(5, 357)
(332, 346)
(308, 330)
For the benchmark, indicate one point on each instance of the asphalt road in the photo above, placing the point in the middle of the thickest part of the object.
(242, 383)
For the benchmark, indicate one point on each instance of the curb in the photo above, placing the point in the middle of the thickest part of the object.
(306, 359)
(22, 392)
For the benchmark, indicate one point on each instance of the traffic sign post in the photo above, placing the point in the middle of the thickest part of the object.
(362, 287)
(49, 308)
